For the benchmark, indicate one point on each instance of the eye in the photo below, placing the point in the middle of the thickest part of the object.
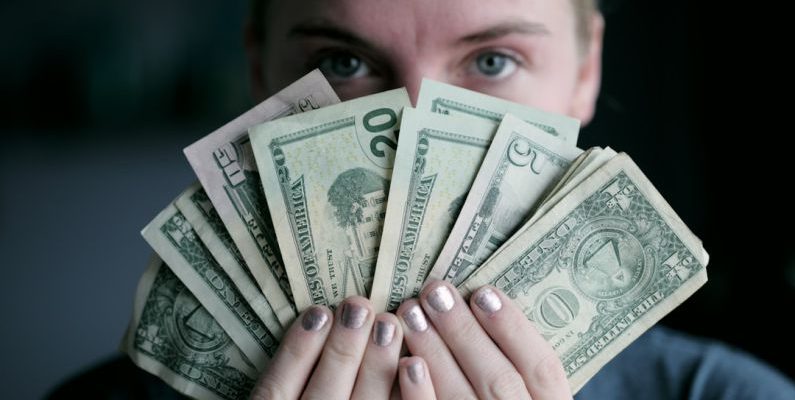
(342, 66)
(494, 64)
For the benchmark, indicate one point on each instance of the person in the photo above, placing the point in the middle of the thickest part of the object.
(542, 54)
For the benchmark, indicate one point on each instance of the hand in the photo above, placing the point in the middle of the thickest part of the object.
(335, 358)
(488, 350)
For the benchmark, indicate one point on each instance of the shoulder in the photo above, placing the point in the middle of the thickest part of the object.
(665, 364)
(116, 378)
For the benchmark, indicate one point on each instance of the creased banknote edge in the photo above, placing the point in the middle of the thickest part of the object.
(266, 280)
(227, 262)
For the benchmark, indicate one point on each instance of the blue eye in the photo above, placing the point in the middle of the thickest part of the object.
(342, 66)
(494, 64)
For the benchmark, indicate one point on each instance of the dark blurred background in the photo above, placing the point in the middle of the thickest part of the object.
(99, 98)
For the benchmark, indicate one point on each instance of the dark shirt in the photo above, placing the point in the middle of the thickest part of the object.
(665, 364)
(661, 364)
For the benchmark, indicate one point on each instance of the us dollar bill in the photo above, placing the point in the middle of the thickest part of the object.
(436, 162)
(573, 167)
(595, 159)
(603, 265)
(447, 99)
(520, 166)
(175, 241)
(173, 337)
(225, 166)
(326, 177)
(200, 213)
(588, 162)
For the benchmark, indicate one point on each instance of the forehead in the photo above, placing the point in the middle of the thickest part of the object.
(440, 20)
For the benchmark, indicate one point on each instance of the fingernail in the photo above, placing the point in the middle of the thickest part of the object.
(415, 319)
(416, 372)
(353, 315)
(441, 299)
(488, 301)
(383, 333)
(314, 319)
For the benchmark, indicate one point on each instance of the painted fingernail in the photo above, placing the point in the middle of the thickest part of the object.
(353, 315)
(441, 299)
(314, 319)
(488, 301)
(416, 372)
(415, 319)
(383, 333)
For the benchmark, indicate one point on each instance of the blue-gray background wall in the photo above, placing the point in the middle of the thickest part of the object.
(99, 98)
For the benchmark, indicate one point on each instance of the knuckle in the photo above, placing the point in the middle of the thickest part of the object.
(313, 396)
(549, 372)
(374, 377)
(466, 332)
(459, 396)
(268, 389)
(291, 350)
(431, 352)
(467, 328)
(342, 352)
(506, 386)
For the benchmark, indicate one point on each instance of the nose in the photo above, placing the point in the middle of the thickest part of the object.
(413, 87)
(410, 76)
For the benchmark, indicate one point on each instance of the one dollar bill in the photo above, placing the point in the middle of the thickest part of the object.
(200, 213)
(602, 266)
(173, 337)
(176, 242)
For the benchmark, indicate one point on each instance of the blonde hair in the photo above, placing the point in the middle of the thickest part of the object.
(583, 11)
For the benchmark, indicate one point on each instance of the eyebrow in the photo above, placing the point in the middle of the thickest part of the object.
(505, 29)
(329, 31)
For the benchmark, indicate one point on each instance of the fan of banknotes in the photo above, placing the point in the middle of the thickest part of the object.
(307, 200)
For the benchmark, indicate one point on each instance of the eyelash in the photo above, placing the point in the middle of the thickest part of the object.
(471, 61)
(316, 60)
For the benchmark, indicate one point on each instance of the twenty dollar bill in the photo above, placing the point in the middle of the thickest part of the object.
(436, 162)
(326, 177)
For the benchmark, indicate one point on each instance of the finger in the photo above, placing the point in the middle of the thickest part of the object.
(422, 340)
(380, 363)
(489, 371)
(336, 371)
(415, 381)
(532, 356)
(289, 370)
